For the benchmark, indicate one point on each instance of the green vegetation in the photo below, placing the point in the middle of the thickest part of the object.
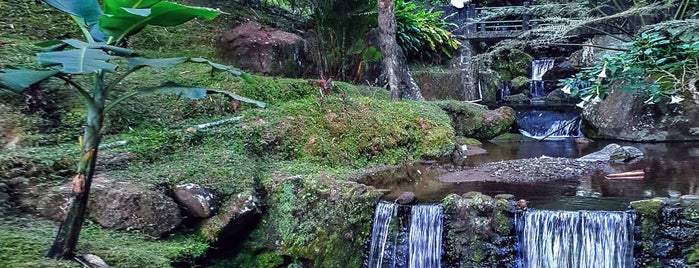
(22, 240)
(661, 62)
(422, 34)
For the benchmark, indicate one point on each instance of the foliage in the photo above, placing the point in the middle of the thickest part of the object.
(422, 32)
(663, 62)
(23, 242)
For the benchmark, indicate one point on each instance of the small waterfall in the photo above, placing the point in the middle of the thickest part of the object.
(536, 84)
(380, 231)
(572, 239)
(552, 124)
(390, 237)
(503, 90)
(426, 236)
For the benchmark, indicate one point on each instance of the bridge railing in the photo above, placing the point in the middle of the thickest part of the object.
(476, 22)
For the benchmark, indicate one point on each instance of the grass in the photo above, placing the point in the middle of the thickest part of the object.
(24, 241)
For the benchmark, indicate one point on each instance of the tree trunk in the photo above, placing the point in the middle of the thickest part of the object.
(394, 63)
(67, 237)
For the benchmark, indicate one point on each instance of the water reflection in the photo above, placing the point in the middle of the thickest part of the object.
(669, 167)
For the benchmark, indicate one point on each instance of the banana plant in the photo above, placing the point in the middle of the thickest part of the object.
(105, 27)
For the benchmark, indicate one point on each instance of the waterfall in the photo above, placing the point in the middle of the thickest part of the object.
(552, 123)
(422, 238)
(426, 236)
(379, 232)
(536, 84)
(572, 239)
(503, 90)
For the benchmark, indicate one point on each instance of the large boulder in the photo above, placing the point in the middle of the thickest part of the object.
(624, 115)
(261, 49)
(120, 205)
(476, 121)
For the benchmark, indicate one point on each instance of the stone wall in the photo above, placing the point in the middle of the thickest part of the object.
(667, 232)
(479, 231)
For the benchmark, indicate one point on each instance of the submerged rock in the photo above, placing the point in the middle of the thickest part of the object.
(197, 201)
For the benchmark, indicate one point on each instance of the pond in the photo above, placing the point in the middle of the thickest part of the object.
(671, 169)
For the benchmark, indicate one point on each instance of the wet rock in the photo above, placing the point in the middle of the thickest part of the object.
(558, 96)
(239, 213)
(689, 199)
(406, 198)
(478, 231)
(663, 247)
(516, 98)
(119, 205)
(624, 115)
(260, 49)
(614, 152)
(197, 201)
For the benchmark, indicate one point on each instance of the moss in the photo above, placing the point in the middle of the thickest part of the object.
(23, 243)
(350, 131)
(509, 138)
(511, 64)
(693, 257)
(520, 81)
(319, 219)
(648, 211)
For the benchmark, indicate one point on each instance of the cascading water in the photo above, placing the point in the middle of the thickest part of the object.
(379, 232)
(423, 241)
(552, 124)
(426, 236)
(572, 239)
(536, 84)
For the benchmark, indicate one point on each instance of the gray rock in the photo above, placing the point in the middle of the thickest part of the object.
(120, 205)
(602, 155)
(240, 210)
(516, 98)
(406, 198)
(95, 261)
(624, 115)
(689, 199)
(197, 201)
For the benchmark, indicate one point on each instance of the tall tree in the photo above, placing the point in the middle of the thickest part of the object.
(394, 63)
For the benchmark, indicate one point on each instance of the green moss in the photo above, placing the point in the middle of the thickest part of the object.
(352, 132)
(23, 243)
(319, 219)
(648, 211)
(511, 64)
(693, 257)
(509, 138)
(520, 81)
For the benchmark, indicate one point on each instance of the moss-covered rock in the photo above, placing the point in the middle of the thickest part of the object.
(479, 231)
(321, 221)
(509, 138)
(350, 131)
(239, 213)
(440, 85)
(476, 121)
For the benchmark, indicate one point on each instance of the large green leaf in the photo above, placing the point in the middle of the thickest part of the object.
(121, 20)
(78, 61)
(170, 62)
(18, 80)
(116, 50)
(88, 10)
(196, 93)
(112, 6)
